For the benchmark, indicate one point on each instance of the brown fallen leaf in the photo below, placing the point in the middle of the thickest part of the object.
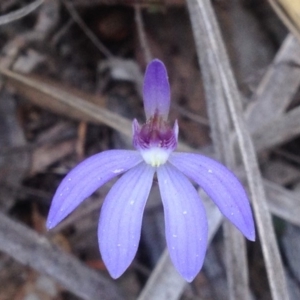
(96, 264)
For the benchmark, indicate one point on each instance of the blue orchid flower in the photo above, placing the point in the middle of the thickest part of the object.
(122, 211)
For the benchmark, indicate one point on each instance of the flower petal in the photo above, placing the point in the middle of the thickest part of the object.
(121, 218)
(86, 177)
(156, 90)
(221, 186)
(185, 218)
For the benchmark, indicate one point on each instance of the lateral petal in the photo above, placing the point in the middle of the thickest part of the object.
(85, 178)
(156, 90)
(121, 218)
(221, 185)
(185, 219)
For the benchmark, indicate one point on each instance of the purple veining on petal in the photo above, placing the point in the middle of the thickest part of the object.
(185, 219)
(86, 177)
(121, 218)
(155, 133)
(156, 90)
(221, 186)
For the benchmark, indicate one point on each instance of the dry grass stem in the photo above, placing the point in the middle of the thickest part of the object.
(165, 283)
(20, 13)
(219, 117)
(141, 33)
(277, 87)
(202, 10)
(93, 38)
(31, 249)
